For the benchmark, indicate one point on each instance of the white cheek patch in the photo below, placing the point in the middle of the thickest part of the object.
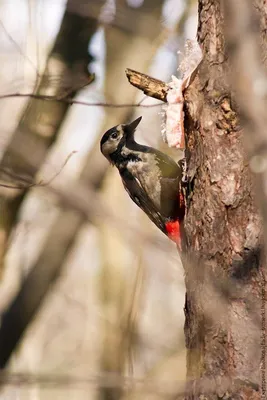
(109, 147)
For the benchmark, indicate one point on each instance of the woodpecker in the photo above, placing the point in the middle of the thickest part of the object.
(151, 178)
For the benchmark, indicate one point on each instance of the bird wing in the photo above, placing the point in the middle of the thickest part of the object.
(171, 176)
(138, 195)
(169, 168)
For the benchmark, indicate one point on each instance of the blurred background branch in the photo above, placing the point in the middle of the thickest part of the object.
(248, 76)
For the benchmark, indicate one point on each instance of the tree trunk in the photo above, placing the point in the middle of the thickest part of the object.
(224, 279)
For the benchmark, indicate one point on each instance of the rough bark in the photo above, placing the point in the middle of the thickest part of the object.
(223, 269)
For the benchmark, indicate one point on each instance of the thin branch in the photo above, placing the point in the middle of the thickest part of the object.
(70, 101)
(28, 183)
(46, 183)
(102, 380)
(19, 49)
(108, 380)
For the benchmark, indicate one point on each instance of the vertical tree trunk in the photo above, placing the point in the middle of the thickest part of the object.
(223, 271)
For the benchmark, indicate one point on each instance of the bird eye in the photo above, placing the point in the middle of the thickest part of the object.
(114, 135)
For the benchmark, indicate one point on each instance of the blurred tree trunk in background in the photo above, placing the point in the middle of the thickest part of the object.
(129, 44)
(124, 48)
(65, 73)
(137, 36)
(223, 270)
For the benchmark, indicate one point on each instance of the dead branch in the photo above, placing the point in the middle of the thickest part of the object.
(150, 86)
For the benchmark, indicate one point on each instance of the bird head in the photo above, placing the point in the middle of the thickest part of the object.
(114, 139)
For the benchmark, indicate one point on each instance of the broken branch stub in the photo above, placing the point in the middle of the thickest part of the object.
(171, 93)
(150, 86)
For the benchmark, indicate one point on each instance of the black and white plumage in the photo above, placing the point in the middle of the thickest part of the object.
(151, 178)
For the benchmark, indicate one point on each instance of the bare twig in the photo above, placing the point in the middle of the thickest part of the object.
(150, 86)
(70, 101)
(171, 387)
(28, 182)
(107, 380)
(19, 48)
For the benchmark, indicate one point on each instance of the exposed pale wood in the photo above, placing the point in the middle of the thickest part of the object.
(150, 86)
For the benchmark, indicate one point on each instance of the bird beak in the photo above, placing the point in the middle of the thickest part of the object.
(133, 125)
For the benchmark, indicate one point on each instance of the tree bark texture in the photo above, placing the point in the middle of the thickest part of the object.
(223, 268)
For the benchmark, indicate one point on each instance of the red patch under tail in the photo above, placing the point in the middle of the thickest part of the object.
(174, 232)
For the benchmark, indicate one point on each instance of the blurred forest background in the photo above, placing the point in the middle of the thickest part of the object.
(112, 321)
